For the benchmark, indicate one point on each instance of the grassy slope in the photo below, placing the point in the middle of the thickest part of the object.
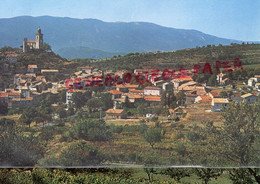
(249, 54)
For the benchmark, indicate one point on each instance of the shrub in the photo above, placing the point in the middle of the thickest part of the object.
(80, 154)
(181, 149)
(192, 136)
(116, 129)
(65, 137)
(91, 130)
(179, 135)
(153, 135)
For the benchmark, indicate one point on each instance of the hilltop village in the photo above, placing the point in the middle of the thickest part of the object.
(89, 112)
(147, 87)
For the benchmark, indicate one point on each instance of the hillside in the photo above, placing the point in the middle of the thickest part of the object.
(105, 36)
(41, 58)
(247, 53)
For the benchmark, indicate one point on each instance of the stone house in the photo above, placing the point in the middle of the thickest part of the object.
(219, 104)
(154, 91)
(249, 98)
(116, 114)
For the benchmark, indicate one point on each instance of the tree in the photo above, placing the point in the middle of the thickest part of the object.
(28, 116)
(168, 99)
(62, 113)
(180, 97)
(70, 111)
(62, 96)
(181, 149)
(3, 108)
(245, 175)
(207, 173)
(18, 149)
(192, 136)
(176, 173)
(79, 99)
(240, 133)
(94, 104)
(49, 99)
(149, 172)
(44, 113)
(212, 80)
(46, 47)
(80, 154)
(236, 142)
(91, 130)
(106, 100)
(153, 135)
(47, 133)
(141, 109)
(223, 94)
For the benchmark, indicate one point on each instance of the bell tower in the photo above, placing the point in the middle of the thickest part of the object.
(39, 39)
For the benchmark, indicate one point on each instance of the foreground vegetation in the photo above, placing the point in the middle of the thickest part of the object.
(81, 138)
(133, 175)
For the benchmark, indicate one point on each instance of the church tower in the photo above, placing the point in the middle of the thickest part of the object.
(25, 46)
(39, 39)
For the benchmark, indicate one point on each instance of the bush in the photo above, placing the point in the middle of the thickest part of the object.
(65, 137)
(14, 111)
(80, 154)
(47, 133)
(179, 135)
(91, 130)
(116, 129)
(192, 136)
(181, 149)
(181, 126)
(173, 125)
(142, 129)
(153, 135)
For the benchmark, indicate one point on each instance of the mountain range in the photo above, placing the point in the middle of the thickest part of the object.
(92, 38)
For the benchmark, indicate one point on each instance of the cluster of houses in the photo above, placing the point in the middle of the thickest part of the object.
(134, 93)
(254, 82)
(9, 56)
(28, 86)
(32, 83)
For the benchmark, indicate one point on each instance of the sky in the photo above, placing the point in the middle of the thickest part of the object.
(233, 19)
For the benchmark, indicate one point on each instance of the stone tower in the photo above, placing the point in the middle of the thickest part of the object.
(39, 39)
(25, 47)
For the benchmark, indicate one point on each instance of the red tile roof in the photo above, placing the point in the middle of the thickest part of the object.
(115, 111)
(151, 88)
(134, 96)
(115, 92)
(32, 66)
(31, 41)
(215, 93)
(127, 86)
(152, 98)
(13, 94)
(220, 100)
(3, 95)
(185, 78)
(136, 91)
(205, 99)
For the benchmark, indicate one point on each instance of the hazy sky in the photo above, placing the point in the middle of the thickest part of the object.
(234, 19)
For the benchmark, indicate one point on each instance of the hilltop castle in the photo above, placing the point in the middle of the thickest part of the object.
(37, 44)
